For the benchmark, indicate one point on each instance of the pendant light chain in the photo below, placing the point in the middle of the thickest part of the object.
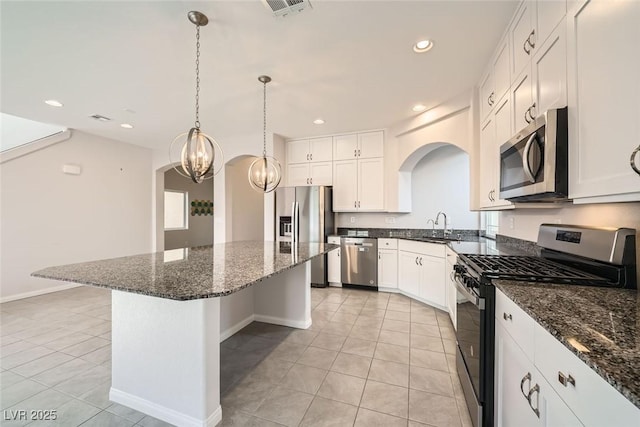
(264, 120)
(197, 123)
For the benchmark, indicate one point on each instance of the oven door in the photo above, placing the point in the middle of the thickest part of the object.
(470, 313)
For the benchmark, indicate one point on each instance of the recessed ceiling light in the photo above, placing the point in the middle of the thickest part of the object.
(126, 126)
(318, 121)
(53, 103)
(419, 107)
(422, 46)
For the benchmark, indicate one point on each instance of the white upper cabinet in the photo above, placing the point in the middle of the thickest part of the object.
(522, 96)
(345, 188)
(502, 70)
(549, 69)
(370, 145)
(321, 149)
(523, 37)
(486, 94)
(604, 101)
(487, 163)
(549, 13)
(359, 146)
(345, 147)
(298, 174)
(321, 173)
(298, 151)
(370, 185)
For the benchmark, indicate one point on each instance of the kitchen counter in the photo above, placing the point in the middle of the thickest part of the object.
(605, 321)
(168, 319)
(190, 273)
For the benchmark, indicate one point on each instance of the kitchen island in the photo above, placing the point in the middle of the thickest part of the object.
(166, 317)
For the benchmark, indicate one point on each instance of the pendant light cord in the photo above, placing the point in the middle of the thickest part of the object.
(264, 119)
(197, 123)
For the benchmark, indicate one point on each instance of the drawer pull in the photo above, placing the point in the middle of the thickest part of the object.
(535, 389)
(506, 316)
(564, 379)
(525, 378)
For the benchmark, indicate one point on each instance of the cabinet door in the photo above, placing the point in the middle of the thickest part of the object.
(321, 173)
(549, 69)
(502, 70)
(487, 164)
(522, 37)
(432, 284)
(549, 13)
(370, 145)
(604, 99)
(370, 185)
(298, 174)
(333, 267)
(408, 272)
(345, 147)
(345, 186)
(487, 96)
(511, 367)
(450, 286)
(388, 268)
(522, 99)
(321, 149)
(298, 151)
(504, 131)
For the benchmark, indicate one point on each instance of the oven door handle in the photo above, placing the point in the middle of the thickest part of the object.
(476, 300)
(525, 159)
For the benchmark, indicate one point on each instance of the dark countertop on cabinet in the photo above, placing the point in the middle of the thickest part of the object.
(190, 273)
(606, 321)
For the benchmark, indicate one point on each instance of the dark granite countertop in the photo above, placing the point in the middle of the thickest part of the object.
(190, 273)
(605, 321)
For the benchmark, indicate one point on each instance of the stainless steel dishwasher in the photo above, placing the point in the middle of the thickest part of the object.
(359, 261)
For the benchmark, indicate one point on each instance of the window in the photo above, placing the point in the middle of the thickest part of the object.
(491, 221)
(175, 210)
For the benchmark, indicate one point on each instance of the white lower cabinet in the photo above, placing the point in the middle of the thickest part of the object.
(449, 279)
(388, 263)
(522, 395)
(334, 274)
(539, 382)
(421, 271)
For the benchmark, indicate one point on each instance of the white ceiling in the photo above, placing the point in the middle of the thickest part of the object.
(350, 63)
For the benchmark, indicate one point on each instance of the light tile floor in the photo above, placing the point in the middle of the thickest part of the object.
(369, 359)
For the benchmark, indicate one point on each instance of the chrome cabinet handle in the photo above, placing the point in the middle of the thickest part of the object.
(632, 160)
(307, 156)
(535, 389)
(311, 156)
(355, 204)
(420, 260)
(526, 118)
(529, 42)
(507, 316)
(307, 180)
(358, 203)
(310, 180)
(489, 100)
(533, 106)
(564, 379)
(525, 378)
(451, 276)
(492, 97)
(524, 46)
(416, 260)
(379, 255)
(355, 153)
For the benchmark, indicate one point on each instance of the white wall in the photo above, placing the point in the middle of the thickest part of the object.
(244, 206)
(440, 182)
(48, 218)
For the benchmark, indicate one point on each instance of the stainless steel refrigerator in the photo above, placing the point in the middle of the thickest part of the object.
(305, 214)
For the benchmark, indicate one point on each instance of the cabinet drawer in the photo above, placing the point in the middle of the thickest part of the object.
(432, 249)
(387, 243)
(333, 239)
(515, 321)
(594, 401)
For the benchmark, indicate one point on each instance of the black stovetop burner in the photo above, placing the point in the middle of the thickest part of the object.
(529, 268)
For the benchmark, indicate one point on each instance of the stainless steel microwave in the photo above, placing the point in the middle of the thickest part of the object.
(534, 163)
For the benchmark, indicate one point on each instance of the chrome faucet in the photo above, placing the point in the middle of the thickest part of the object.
(433, 227)
(445, 232)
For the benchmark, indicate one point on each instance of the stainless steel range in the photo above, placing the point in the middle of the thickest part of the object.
(572, 255)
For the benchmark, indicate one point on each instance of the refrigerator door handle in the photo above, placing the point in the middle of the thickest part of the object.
(295, 219)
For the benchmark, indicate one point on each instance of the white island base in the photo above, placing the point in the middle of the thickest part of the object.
(166, 353)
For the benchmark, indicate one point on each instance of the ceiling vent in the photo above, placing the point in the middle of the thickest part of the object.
(282, 8)
(100, 118)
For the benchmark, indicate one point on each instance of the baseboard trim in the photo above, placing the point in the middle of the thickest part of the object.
(40, 292)
(299, 324)
(235, 328)
(163, 413)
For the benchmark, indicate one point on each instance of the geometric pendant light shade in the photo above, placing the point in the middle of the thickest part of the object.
(200, 156)
(265, 172)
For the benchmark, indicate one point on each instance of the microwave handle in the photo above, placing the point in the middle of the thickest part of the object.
(525, 159)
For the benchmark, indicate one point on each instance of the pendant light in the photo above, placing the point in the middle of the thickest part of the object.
(200, 153)
(265, 171)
